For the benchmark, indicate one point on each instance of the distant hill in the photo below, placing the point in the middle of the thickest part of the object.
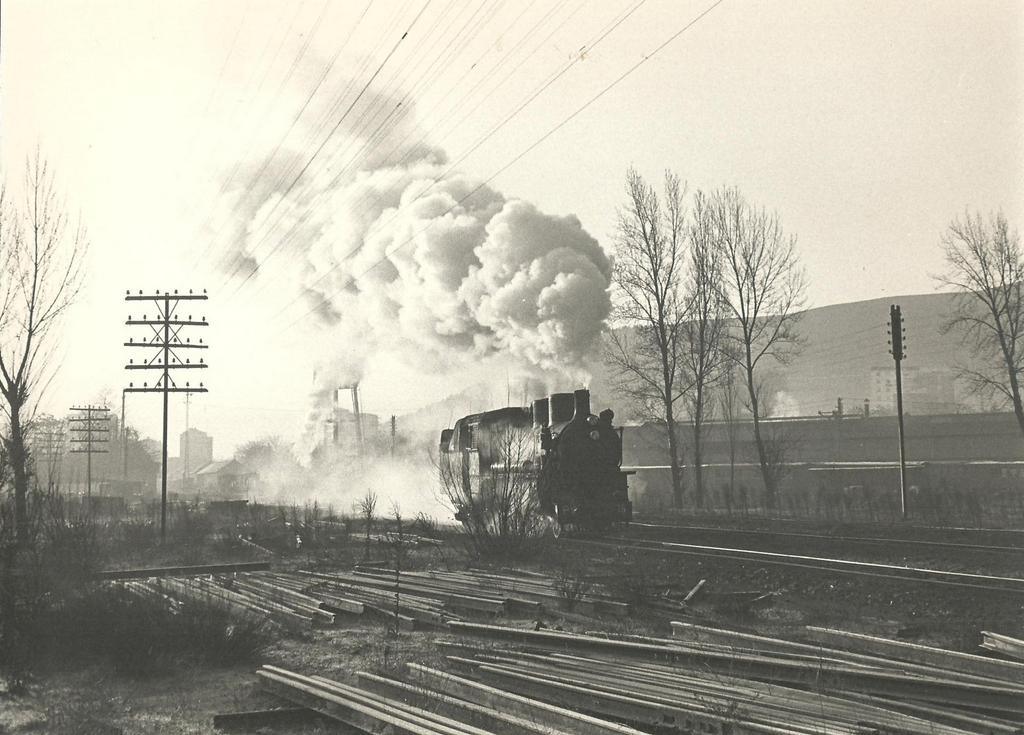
(845, 342)
(845, 355)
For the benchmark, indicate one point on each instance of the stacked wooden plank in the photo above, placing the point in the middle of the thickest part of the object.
(435, 703)
(429, 599)
(1004, 644)
(711, 679)
(529, 592)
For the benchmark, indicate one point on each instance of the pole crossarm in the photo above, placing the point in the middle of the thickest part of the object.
(172, 345)
(172, 366)
(156, 295)
(158, 389)
(170, 322)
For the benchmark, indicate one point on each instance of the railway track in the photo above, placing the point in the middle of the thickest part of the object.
(963, 580)
(923, 544)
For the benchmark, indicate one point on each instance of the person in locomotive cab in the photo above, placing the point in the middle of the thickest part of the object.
(606, 416)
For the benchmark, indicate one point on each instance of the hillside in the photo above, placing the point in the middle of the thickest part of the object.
(845, 354)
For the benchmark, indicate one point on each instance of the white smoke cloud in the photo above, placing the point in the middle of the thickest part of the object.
(443, 273)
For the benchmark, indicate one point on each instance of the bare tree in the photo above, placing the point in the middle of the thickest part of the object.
(728, 401)
(649, 271)
(985, 266)
(41, 255)
(366, 506)
(763, 288)
(500, 511)
(702, 355)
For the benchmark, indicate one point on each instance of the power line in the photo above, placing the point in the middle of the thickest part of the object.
(327, 70)
(644, 59)
(342, 119)
(611, 26)
(372, 138)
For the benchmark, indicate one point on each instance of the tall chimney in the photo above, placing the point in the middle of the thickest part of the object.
(358, 417)
(540, 412)
(561, 407)
(581, 400)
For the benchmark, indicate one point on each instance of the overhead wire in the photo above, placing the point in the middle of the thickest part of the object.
(410, 150)
(602, 34)
(213, 241)
(229, 180)
(381, 131)
(554, 129)
(220, 79)
(344, 116)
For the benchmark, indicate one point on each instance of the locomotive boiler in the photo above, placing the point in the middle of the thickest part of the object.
(569, 458)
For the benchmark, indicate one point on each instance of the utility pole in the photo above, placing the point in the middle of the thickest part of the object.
(896, 344)
(162, 347)
(90, 427)
(188, 449)
(124, 440)
(48, 448)
(394, 433)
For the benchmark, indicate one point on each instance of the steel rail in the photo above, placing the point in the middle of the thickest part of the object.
(954, 545)
(874, 570)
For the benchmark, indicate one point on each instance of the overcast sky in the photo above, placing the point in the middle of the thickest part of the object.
(866, 125)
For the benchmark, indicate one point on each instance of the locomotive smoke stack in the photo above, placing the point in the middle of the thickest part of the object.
(562, 406)
(540, 412)
(581, 400)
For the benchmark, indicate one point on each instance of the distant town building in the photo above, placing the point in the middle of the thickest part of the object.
(195, 448)
(926, 390)
(224, 480)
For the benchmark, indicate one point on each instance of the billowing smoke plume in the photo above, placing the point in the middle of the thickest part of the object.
(400, 263)
(444, 272)
(418, 261)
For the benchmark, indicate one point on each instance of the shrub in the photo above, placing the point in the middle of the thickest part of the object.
(141, 636)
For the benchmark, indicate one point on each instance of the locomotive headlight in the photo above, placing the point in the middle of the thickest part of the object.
(595, 435)
(592, 420)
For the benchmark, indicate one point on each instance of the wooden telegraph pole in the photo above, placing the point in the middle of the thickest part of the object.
(163, 347)
(88, 429)
(897, 335)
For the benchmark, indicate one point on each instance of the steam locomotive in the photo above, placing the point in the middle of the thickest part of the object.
(568, 457)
